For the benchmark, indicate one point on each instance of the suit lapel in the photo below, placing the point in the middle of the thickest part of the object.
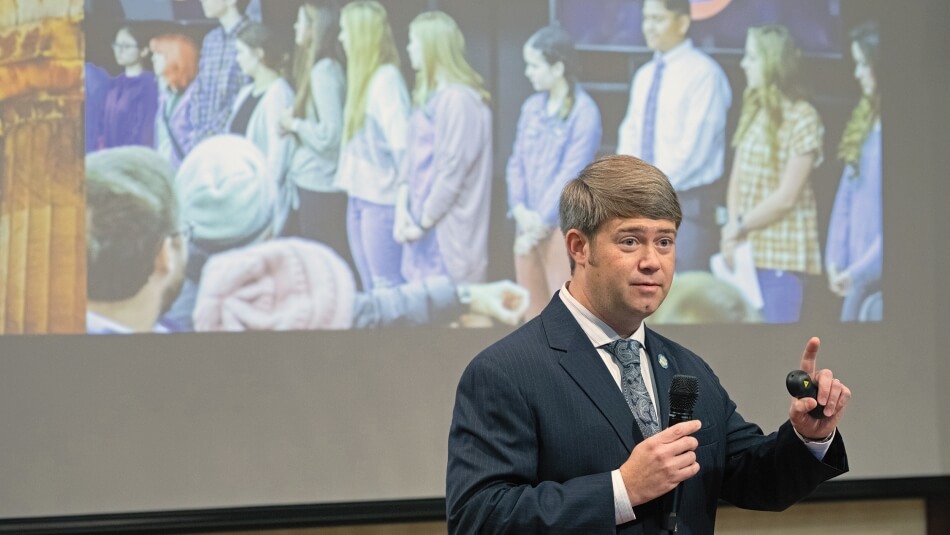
(662, 377)
(581, 361)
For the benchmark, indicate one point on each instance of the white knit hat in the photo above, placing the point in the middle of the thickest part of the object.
(279, 285)
(225, 192)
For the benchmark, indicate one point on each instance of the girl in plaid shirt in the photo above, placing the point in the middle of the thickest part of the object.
(770, 199)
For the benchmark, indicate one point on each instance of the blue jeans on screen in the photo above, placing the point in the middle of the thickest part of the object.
(378, 258)
(781, 295)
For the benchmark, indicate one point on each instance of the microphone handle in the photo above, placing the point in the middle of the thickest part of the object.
(672, 517)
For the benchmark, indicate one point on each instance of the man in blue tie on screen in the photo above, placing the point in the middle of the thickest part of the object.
(559, 427)
(676, 120)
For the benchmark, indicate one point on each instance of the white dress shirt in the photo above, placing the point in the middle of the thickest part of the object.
(690, 132)
(601, 334)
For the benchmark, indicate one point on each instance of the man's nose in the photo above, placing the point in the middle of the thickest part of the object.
(649, 258)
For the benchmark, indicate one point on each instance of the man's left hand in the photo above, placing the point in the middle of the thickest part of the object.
(832, 394)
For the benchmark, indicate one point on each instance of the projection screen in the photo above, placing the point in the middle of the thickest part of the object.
(357, 408)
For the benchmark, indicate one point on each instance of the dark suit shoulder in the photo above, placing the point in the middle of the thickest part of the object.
(526, 343)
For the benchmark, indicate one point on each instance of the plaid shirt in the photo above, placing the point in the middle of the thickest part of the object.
(790, 243)
(218, 82)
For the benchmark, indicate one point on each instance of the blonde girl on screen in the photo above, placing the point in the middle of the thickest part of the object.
(444, 200)
(375, 120)
(770, 198)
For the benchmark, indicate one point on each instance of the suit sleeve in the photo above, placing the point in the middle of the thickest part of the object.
(780, 472)
(773, 472)
(492, 484)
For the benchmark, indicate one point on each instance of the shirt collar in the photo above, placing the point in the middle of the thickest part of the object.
(677, 51)
(237, 27)
(596, 330)
(99, 324)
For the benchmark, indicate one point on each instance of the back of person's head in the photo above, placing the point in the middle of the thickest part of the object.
(556, 45)
(868, 38)
(181, 59)
(322, 19)
(617, 186)
(697, 297)
(226, 193)
(865, 114)
(779, 58)
(130, 211)
(369, 34)
(369, 45)
(284, 284)
(443, 54)
(779, 71)
(680, 7)
(259, 37)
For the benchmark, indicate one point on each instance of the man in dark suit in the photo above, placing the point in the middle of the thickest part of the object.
(556, 429)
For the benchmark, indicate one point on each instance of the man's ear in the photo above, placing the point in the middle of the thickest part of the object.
(558, 69)
(683, 23)
(165, 258)
(578, 246)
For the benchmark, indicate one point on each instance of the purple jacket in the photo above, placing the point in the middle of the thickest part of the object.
(128, 117)
(549, 152)
(174, 132)
(855, 233)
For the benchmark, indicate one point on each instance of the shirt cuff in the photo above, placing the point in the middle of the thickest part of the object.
(818, 448)
(623, 511)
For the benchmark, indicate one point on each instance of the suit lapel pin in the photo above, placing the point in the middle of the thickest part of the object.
(663, 362)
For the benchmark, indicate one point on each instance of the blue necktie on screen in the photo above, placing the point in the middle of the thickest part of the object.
(632, 385)
(648, 139)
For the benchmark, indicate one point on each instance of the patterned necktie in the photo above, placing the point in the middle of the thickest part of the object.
(648, 139)
(634, 389)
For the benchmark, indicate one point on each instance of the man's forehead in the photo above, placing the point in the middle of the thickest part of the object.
(640, 224)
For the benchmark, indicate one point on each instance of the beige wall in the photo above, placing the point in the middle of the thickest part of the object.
(883, 517)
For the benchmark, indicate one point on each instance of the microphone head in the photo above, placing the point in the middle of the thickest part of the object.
(684, 390)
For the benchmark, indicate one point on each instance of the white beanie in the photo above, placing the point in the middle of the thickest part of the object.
(225, 192)
(279, 285)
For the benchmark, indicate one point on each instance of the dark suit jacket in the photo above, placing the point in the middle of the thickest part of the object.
(539, 424)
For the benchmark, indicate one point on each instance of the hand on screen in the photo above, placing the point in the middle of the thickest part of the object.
(526, 220)
(503, 300)
(403, 219)
(728, 242)
(524, 243)
(530, 230)
(287, 122)
(411, 231)
(839, 282)
(832, 393)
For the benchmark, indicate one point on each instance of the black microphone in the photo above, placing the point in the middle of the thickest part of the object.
(684, 390)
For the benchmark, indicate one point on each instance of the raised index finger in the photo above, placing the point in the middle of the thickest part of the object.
(810, 356)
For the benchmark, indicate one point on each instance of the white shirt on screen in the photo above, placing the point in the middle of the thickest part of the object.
(692, 102)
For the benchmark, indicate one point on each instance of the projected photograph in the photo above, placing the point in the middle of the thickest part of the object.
(307, 165)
